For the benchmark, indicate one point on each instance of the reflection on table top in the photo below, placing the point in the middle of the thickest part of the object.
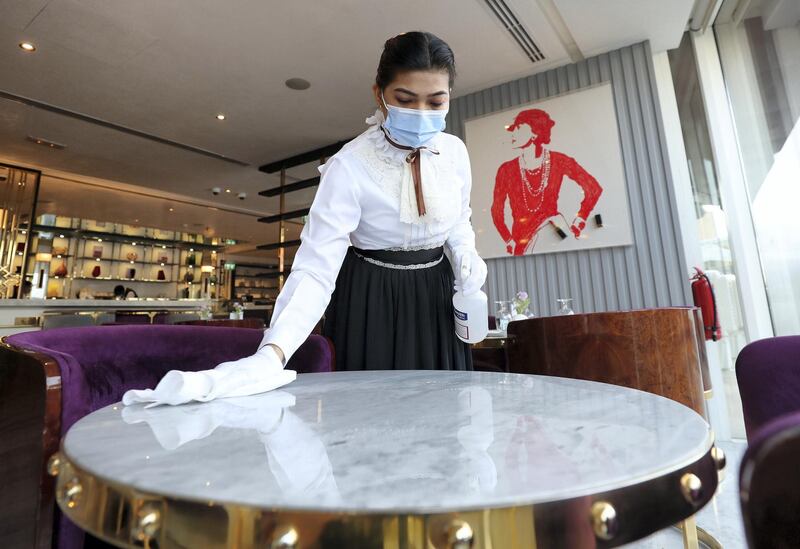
(378, 441)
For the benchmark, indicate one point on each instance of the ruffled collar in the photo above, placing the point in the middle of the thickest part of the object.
(383, 148)
(439, 181)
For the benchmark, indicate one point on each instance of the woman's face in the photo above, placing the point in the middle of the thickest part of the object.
(521, 136)
(422, 90)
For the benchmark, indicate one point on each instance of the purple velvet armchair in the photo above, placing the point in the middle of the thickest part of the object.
(768, 374)
(769, 482)
(50, 379)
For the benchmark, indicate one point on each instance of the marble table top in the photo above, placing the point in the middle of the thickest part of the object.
(395, 441)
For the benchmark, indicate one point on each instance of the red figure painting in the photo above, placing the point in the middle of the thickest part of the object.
(532, 183)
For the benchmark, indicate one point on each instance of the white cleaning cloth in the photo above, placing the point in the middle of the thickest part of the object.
(251, 375)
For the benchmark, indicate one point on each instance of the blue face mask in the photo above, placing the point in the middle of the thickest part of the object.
(413, 127)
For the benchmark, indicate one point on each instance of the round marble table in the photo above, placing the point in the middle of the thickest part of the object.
(413, 459)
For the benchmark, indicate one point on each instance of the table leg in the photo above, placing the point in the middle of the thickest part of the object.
(689, 529)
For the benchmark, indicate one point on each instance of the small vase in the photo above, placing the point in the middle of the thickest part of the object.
(61, 270)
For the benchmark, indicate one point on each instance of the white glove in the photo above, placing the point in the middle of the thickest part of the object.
(471, 272)
(250, 375)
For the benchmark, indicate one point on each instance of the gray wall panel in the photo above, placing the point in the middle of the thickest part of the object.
(650, 273)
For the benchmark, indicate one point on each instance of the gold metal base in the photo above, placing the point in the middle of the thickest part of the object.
(695, 537)
(129, 518)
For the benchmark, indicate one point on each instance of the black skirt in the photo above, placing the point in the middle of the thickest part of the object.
(382, 317)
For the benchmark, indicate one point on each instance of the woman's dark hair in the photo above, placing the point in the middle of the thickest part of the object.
(414, 51)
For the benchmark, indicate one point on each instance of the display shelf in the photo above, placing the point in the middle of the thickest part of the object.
(126, 239)
(82, 239)
(114, 260)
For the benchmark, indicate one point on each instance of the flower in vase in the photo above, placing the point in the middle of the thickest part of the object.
(521, 303)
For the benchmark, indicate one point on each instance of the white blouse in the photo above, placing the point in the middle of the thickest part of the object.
(366, 198)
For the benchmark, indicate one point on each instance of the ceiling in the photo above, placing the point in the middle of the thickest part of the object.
(167, 68)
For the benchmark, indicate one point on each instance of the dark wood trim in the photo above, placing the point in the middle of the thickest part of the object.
(30, 433)
(283, 216)
(303, 158)
(291, 187)
(276, 245)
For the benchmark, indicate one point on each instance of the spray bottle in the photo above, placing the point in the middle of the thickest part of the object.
(471, 312)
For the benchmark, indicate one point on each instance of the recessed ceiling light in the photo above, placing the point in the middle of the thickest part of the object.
(227, 190)
(298, 84)
(172, 209)
(45, 142)
(220, 116)
(27, 46)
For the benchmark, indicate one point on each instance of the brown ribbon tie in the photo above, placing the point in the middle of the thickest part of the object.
(414, 158)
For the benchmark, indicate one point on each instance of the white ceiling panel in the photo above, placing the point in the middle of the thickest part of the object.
(600, 26)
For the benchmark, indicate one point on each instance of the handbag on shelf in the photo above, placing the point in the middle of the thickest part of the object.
(97, 251)
(161, 275)
(61, 270)
(96, 271)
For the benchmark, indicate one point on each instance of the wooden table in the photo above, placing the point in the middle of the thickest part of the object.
(657, 350)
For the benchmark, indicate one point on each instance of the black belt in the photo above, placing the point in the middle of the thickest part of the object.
(402, 259)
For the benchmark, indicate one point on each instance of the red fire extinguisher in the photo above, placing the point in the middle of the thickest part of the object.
(703, 294)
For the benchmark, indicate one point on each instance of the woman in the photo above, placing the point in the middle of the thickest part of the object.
(398, 193)
(388, 205)
(532, 184)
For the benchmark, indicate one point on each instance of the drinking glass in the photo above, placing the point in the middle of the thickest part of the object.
(565, 306)
(503, 313)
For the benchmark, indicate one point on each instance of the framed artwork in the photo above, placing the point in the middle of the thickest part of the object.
(548, 176)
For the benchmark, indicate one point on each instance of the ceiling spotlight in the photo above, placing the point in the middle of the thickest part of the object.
(241, 196)
(220, 116)
(172, 209)
(45, 142)
(215, 190)
(298, 84)
(27, 46)
(227, 190)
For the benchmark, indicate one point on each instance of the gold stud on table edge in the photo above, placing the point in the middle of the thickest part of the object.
(604, 520)
(71, 492)
(148, 522)
(692, 488)
(719, 458)
(285, 537)
(459, 535)
(54, 464)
